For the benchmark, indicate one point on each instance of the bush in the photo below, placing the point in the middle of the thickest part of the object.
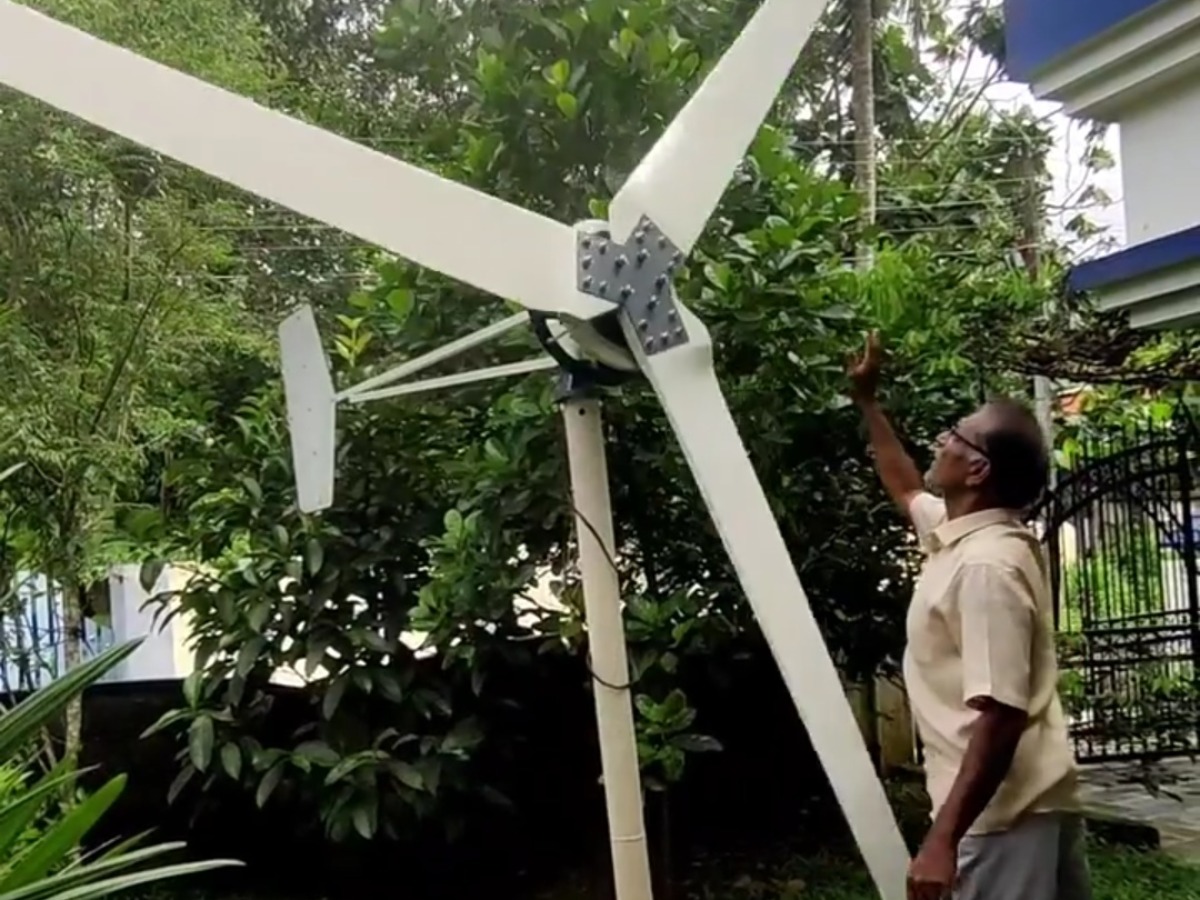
(41, 836)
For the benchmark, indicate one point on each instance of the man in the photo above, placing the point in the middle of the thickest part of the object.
(980, 665)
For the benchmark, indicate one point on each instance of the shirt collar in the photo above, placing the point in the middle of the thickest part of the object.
(954, 530)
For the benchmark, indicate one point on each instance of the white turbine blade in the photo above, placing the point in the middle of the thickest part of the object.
(311, 408)
(680, 181)
(685, 382)
(437, 223)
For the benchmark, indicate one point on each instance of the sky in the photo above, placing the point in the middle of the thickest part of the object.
(1070, 176)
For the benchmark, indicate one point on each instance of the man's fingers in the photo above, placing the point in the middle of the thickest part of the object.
(873, 346)
(920, 889)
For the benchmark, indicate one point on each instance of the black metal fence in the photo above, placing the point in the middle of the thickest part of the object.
(32, 643)
(1120, 530)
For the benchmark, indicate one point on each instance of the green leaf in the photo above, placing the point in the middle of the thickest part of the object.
(57, 845)
(318, 752)
(231, 760)
(248, 655)
(267, 786)
(200, 742)
(192, 686)
(29, 716)
(464, 735)
(93, 890)
(260, 614)
(401, 302)
(166, 720)
(567, 104)
(315, 651)
(11, 471)
(345, 767)
(253, 488)
(149, 574)
(406, 774)
(16, 815)
(333, 695)
(364, 818)
(181, 781)
(558, 74)
(389, 685)
(314, 556)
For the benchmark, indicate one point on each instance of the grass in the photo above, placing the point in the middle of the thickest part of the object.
(781, 874)
(1117, 874)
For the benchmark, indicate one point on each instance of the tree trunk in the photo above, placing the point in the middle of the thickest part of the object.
(72, 637)
(862, 109)
(862, 102)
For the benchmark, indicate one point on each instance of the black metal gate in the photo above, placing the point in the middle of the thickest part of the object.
(1120, 530)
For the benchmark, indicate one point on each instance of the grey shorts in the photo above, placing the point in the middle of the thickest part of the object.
(1043, 857)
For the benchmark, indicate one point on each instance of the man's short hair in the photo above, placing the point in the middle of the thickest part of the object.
(1017, 453)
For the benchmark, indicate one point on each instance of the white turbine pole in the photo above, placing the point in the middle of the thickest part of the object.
(606, 644)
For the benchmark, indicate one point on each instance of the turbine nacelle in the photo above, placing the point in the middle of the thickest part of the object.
(643, 317)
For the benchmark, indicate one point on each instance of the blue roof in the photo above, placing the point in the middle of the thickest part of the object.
(1157, 255)
(1037, 32)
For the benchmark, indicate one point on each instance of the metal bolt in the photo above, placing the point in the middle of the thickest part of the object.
(660, 282)
(603, 248)
(653, 301)
(586, 243)
(665, 337)
(640, 237)
(662, 243)
(587, 281)
(626, 292)
(679, 331)
(603, 287)
(671, 314)
(649, 343)
(586, 262)
(643, 324)
(621, 262)
(676, 257)
(642, 256)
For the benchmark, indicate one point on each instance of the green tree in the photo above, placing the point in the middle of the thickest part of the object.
(104, 249)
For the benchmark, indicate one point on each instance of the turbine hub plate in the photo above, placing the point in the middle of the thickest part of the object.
(636, 277)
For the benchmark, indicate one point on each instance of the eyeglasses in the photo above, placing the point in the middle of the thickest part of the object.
(953, 432)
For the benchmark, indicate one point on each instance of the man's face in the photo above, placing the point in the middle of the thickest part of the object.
(960, 463)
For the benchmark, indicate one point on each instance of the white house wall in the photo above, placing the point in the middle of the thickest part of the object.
(1160, 165)
(1135, 63)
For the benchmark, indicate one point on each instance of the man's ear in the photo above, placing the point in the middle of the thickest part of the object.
(978, 470)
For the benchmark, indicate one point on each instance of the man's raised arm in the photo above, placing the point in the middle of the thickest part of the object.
(896, 468)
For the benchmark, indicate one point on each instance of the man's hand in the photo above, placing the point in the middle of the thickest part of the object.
(931, 875)
(864, 370)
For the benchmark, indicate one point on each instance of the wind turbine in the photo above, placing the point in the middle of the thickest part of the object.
(602, 301)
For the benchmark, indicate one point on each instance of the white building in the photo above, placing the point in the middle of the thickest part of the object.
(1135, 64)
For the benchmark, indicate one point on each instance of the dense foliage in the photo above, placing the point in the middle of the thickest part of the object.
(140, 385)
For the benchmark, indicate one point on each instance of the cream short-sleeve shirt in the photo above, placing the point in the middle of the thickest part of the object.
(981, 625)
